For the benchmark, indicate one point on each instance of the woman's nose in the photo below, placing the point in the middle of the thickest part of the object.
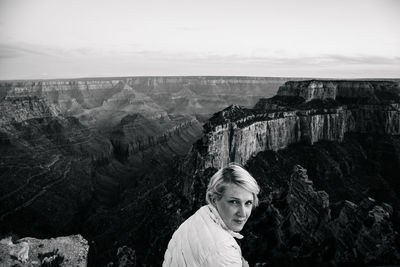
(241, 211)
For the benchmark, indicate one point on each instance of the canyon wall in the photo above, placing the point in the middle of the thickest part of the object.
(236, 133)
(19, 109)
(152, 96)
(324, 89)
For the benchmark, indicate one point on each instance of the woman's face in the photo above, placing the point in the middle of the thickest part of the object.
(235, 206)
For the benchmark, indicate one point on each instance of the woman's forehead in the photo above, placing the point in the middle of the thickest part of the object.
(235, 191)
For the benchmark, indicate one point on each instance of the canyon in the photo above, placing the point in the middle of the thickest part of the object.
(123, 161)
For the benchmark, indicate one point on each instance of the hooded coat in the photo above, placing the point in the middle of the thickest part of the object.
(203, 240)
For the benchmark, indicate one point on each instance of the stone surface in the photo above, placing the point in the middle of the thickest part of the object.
(60, 251)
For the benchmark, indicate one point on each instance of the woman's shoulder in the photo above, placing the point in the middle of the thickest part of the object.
(201, 237)
(205, 227)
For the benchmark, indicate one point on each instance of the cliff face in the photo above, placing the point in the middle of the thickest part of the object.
(45, 165)
(19, 109)
(237, 134)
(137, 134)
(320, 89)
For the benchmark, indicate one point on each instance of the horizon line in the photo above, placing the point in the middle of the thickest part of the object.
(197, 76)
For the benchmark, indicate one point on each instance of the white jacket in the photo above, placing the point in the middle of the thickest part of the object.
(203, 240)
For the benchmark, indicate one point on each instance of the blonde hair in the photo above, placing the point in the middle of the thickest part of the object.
(232, 174)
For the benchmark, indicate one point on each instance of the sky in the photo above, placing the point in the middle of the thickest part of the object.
(48, 39)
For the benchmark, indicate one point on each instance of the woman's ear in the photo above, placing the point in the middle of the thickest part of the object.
(214, 199)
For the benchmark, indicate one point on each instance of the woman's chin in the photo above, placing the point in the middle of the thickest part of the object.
(236, 227)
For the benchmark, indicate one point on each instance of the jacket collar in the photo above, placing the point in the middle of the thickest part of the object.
(214, 214)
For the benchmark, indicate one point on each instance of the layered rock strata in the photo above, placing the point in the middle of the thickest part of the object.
(236, 133)
(152, 96)
(327, 89)
(19, 109)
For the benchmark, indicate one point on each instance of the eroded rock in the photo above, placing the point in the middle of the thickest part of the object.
(60, 251)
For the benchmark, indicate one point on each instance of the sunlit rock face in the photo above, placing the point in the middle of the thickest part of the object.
(18, 109)
(237, 134)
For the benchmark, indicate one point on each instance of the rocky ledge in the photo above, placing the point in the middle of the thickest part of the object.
(60, 251)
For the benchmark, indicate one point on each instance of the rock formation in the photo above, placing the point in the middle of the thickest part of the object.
(336, 89)
(60, 251)
(297, 229)
(236, 133)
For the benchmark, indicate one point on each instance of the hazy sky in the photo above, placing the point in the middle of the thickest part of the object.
(42, 39)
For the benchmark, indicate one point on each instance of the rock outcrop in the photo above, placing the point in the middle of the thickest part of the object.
(236, 133)
(60, 251)
(305, 233)
(19, 109)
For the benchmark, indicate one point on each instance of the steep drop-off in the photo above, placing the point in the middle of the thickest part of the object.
(45, 166)
(236, 133)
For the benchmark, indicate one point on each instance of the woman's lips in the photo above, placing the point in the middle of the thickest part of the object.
(239, 221)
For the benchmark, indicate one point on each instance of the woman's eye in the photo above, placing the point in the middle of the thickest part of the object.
(234, 202)
(248, 203)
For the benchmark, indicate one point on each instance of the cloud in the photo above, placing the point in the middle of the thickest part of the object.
(8, 51)
(374, 60)
(314, 60)
(13, 51)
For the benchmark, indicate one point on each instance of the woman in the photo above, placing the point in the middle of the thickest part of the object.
(207, 238)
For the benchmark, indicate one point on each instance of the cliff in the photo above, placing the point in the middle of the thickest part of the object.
(19, 109)
(237, 133)
(45, 166)
(137, 134)
(336, 89)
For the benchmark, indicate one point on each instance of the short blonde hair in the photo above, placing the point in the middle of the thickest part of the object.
(232, 174)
